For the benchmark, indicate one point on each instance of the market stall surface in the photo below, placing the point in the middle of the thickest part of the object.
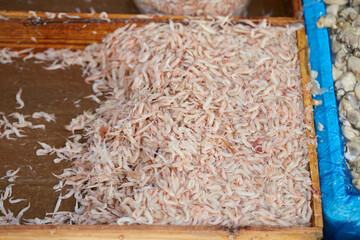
(56, 95)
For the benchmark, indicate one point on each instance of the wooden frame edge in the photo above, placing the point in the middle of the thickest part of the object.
(137, 232)
(297, 9)
(23, 14)
(19, 29)
(309, 118)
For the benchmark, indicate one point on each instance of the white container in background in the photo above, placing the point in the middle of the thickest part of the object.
(193, 7)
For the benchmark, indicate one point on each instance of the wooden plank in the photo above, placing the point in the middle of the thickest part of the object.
(24, 14)
(309, 118)
(22, 30)
(137, 232)
(297, 9)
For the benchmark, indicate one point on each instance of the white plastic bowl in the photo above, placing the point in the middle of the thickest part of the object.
(193, 7)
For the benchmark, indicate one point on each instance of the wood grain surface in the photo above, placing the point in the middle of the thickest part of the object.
(22, 30)
(157, 233)
(317, 219)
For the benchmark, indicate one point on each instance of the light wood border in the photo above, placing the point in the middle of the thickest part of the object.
(309, 119)
(21, 29)
(17, 31)
(156, 233)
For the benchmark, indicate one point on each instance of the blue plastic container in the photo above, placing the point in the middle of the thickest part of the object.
(340, 199)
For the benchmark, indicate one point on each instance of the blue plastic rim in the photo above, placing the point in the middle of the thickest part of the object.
(340, 199)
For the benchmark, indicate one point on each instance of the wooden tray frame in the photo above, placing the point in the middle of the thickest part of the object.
(297, 9)
(18, 30)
